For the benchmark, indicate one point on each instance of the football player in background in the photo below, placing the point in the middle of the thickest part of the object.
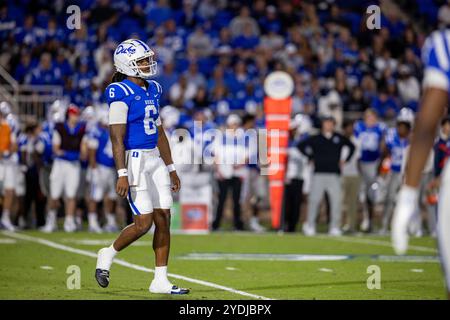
(8, 148)
(26, 195)
(10, 118)
(369, 133)
(44, 152)
(143, 160)
(89, 119)
(102, 175)
(396, 142)
(436, 82)
(65, 175)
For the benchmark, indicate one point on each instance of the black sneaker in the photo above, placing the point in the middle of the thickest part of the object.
(102, 277)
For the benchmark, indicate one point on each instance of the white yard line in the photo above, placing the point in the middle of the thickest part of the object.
(124, 263)
(7, 241)
(46, 267)
(325, 270)
(262, 257)
(374, 243)
(416, 270)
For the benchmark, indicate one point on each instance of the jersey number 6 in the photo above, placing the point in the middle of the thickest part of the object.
(149, 122)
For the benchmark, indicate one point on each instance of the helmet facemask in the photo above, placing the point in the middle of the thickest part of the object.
(141, 68)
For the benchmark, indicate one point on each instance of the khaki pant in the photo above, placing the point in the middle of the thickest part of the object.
(331, 184)
(351, 186)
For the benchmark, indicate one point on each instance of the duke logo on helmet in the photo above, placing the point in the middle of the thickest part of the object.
(121, 49)
(127, 56)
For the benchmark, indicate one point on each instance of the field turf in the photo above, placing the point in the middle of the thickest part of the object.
(34, 265)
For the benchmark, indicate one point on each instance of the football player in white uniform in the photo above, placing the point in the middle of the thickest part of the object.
(143, 160)
(8, 166)
(436, 85)
(101, 174)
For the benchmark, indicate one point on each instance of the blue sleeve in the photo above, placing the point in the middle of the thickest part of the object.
(389, 139)
(114, 92)
(357, 129)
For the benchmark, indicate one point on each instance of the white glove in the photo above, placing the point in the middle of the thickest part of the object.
(406, 206)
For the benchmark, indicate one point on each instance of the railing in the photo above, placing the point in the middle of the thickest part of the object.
(27, 100)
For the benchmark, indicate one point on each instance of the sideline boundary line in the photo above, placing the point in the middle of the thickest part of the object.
(373, 242)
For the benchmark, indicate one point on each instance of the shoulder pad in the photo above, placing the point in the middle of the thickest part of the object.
(116, 91)
(157, 87)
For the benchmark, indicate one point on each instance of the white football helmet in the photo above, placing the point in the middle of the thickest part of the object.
(5, 108)
(302, 123)
(128, 53)
(406, 115)
(56, 111)
(88, 114)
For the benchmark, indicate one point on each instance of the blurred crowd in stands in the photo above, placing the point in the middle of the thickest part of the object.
(213, 57)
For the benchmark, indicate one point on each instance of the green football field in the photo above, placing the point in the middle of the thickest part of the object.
(226, 265)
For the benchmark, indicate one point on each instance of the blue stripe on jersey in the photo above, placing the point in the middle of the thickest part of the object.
(158, 86)
(133, 207)
(128, 87)
(123, 88)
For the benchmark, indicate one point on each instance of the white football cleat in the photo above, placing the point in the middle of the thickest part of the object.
(110, 228)
(255, 226)
(48, 228)
(365, 224)
(308, 230)
(7, 224)
(22, 224)
(418, 233)
(95, 228)
(335, 232)
(70, 225)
